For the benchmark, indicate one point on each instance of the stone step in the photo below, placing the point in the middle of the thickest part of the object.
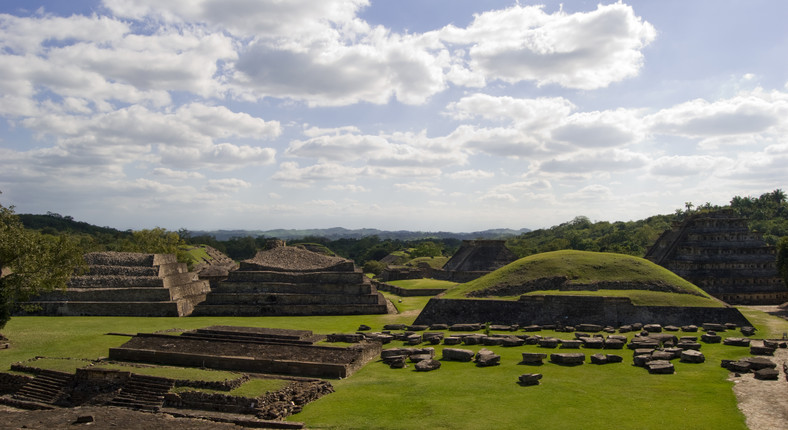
(289, 299)
(98, 308)
(115, 281)
(46, 387)
(292, 288)
(129, 259)
(135, 294)
(298, 278)
(289, 310)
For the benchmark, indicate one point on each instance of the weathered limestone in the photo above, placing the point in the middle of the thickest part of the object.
(428, 365)
(287, 280)
(692, 356)
(485, 358)
(568, 358)
(455, 354)
(717, 252)
(528, 379)
(127, 284)
(660, 367)
(533, 358)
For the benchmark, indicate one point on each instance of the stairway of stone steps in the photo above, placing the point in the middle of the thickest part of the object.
(143, 392)
(46, 387)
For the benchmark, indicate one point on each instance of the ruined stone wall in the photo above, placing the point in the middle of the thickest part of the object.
(569, 310)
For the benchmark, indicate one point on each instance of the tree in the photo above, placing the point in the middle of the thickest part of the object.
(155, 241)
(31, 262)
(782, 258)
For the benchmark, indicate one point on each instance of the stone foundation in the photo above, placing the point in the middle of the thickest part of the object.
(569, 310)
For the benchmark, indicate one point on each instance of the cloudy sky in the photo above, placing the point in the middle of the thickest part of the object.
(453, 115)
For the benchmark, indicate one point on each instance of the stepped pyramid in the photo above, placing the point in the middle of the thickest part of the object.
(127, 284)
(287, 280)
(717, 252)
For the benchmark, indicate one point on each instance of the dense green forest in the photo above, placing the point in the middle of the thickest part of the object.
(768, 214)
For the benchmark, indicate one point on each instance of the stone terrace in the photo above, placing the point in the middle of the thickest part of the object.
(127, 284)
(294, 281)
(286, 352)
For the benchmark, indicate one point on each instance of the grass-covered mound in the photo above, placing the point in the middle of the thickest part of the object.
(597, 273)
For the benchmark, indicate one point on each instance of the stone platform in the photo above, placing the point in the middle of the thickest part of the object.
(293, 281)
(127, 284)
(248, 349)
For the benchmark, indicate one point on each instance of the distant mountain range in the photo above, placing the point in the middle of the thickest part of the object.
(344, 233)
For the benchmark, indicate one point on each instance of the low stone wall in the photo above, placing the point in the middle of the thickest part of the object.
(569, 310)
(211, 402)
(11, 383)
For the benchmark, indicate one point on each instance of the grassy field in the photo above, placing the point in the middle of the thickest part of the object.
(416, 284)
(457, 396)
(580, 267)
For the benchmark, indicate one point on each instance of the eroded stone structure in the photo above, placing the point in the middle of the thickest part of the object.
(474, 259)
(287, 280)
(249, 349)
(127, 284)
(717, 252)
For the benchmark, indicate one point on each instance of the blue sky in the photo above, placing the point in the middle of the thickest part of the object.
(451, 115)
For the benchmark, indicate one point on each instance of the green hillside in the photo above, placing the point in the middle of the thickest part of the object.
(584, 267)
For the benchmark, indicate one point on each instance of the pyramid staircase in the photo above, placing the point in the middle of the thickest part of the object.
(46, 387)
(143, 392)
(127, 284)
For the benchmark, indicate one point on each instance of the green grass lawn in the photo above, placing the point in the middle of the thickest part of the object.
(457, 396)
(424, 283)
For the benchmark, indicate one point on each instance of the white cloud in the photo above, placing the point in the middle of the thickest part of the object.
(693, 165)
(177, 174)
(498, 198)
(471, 174)
(745, 114)
(349, 188)
(582, 162)
(226, 185)
(420, 187)
(581, 50)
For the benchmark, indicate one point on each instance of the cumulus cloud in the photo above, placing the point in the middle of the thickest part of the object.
(226, 185)
(588, 162)
(421, 187)
(471, 174)
(693, 165)
(581, 50)
(747, 113)
(177, 174)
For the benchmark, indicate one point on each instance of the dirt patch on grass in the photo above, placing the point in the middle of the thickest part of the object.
(763, 403)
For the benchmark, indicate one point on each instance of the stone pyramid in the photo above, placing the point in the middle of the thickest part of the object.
(126, 284)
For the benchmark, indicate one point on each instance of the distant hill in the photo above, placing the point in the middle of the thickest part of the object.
(344, 233)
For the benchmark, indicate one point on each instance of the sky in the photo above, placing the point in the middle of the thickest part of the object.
(432, 115)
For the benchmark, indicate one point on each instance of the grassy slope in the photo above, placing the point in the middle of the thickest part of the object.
(434, 262)
(459, 395)
(411, 284)
(580, 267)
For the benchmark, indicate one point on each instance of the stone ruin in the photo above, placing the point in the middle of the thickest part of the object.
(125, 284)
(474, 259)
(249, 349)
(717, 252)
(285, 280)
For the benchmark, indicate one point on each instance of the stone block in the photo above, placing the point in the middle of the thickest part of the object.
(428, 365)
(548, 342)
(653, 328)
(711, 338)
(455, 354)
(660, 367)
(736, 341)
(767, 374)
(571, 344)
(761, 350)
(528, 379)
(533, 358)
(568, 358)
(692, 356)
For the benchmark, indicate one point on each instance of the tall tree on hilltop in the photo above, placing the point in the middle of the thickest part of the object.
(31, 262)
